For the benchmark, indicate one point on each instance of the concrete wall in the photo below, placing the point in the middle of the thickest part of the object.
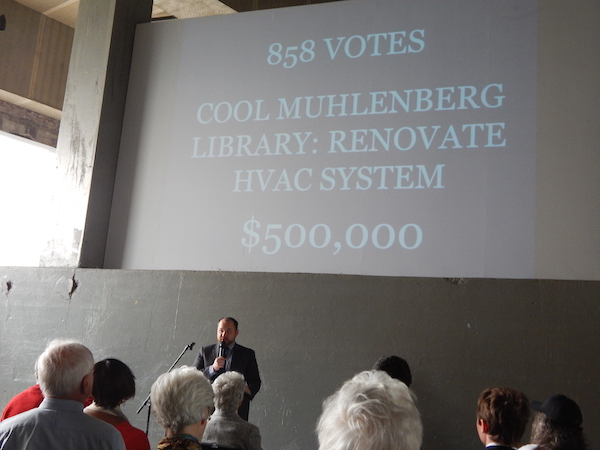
(312, 332)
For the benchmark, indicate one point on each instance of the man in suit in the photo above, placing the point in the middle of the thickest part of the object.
(216, 359)
(502, 415)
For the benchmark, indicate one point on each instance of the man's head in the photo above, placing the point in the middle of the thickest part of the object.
(502, 415)
(395, 367)
(227, 330)
(65, 371)
(370, 411)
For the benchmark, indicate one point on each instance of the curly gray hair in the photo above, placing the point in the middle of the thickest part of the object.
(181, 397)
(229, 391)
(370, 411)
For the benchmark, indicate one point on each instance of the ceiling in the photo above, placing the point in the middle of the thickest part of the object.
(65, 11)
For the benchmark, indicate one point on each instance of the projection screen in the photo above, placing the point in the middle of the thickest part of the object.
(377, 137)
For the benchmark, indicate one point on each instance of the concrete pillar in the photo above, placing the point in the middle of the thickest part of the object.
(90, 131)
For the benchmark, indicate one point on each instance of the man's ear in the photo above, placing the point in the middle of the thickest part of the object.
(483, 425)
(87, 384)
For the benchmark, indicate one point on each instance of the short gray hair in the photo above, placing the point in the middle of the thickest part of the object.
(229, 391)
(181, 397)
(370, 411)
(62, 366)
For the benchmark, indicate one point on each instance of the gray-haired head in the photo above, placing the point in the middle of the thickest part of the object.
(62, 367)
(370, 411)
(229, 391)
(181, 397)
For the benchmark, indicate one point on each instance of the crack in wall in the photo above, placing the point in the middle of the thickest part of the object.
(7, 287)
(74, 285)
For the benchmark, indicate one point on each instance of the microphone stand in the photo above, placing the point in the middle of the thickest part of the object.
(147, 401)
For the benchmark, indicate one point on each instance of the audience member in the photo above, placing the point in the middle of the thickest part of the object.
(372, 411)
(65, 375)
(182, 400)
(557, 425)
(24, 401)
(226, 427)
(502, 415)
(395, 367)
(114, 383)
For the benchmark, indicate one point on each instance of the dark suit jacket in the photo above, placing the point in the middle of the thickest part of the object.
(243, 360)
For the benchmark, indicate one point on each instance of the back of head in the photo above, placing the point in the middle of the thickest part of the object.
(557, 424)
(181, 397)
(395, 367)
(370, 411)
(113, 383)
(229, 391)
(62, 366)
(506, 412)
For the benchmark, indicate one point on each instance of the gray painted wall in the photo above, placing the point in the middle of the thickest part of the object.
(312, 332)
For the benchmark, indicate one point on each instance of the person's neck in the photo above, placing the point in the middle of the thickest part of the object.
(194, 430)
(76, 398)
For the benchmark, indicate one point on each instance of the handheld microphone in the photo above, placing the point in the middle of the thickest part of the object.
(221, 349)
(191, 346)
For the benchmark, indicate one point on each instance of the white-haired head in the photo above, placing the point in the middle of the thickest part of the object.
(370, 411)
(62, 367)
(181, 397)
(229, 391)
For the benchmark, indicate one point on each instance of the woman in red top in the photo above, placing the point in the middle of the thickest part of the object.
(114, 383)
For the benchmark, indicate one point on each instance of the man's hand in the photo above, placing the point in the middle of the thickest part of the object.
(247, 390)
(219, 363)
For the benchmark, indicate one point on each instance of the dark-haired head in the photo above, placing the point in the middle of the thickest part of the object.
(114, 383)
(230, 319)
(395, 367)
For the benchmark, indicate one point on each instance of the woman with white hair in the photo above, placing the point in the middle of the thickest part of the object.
(182, 400)
(226, 427)
(372, 411)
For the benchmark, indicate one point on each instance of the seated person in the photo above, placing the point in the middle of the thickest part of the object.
(395, 367)
(65, 374)
(182, 400)
(226, 427)
(24, 401)
(502, 415)
(557, 425)
(372, 411)
(114, 383)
